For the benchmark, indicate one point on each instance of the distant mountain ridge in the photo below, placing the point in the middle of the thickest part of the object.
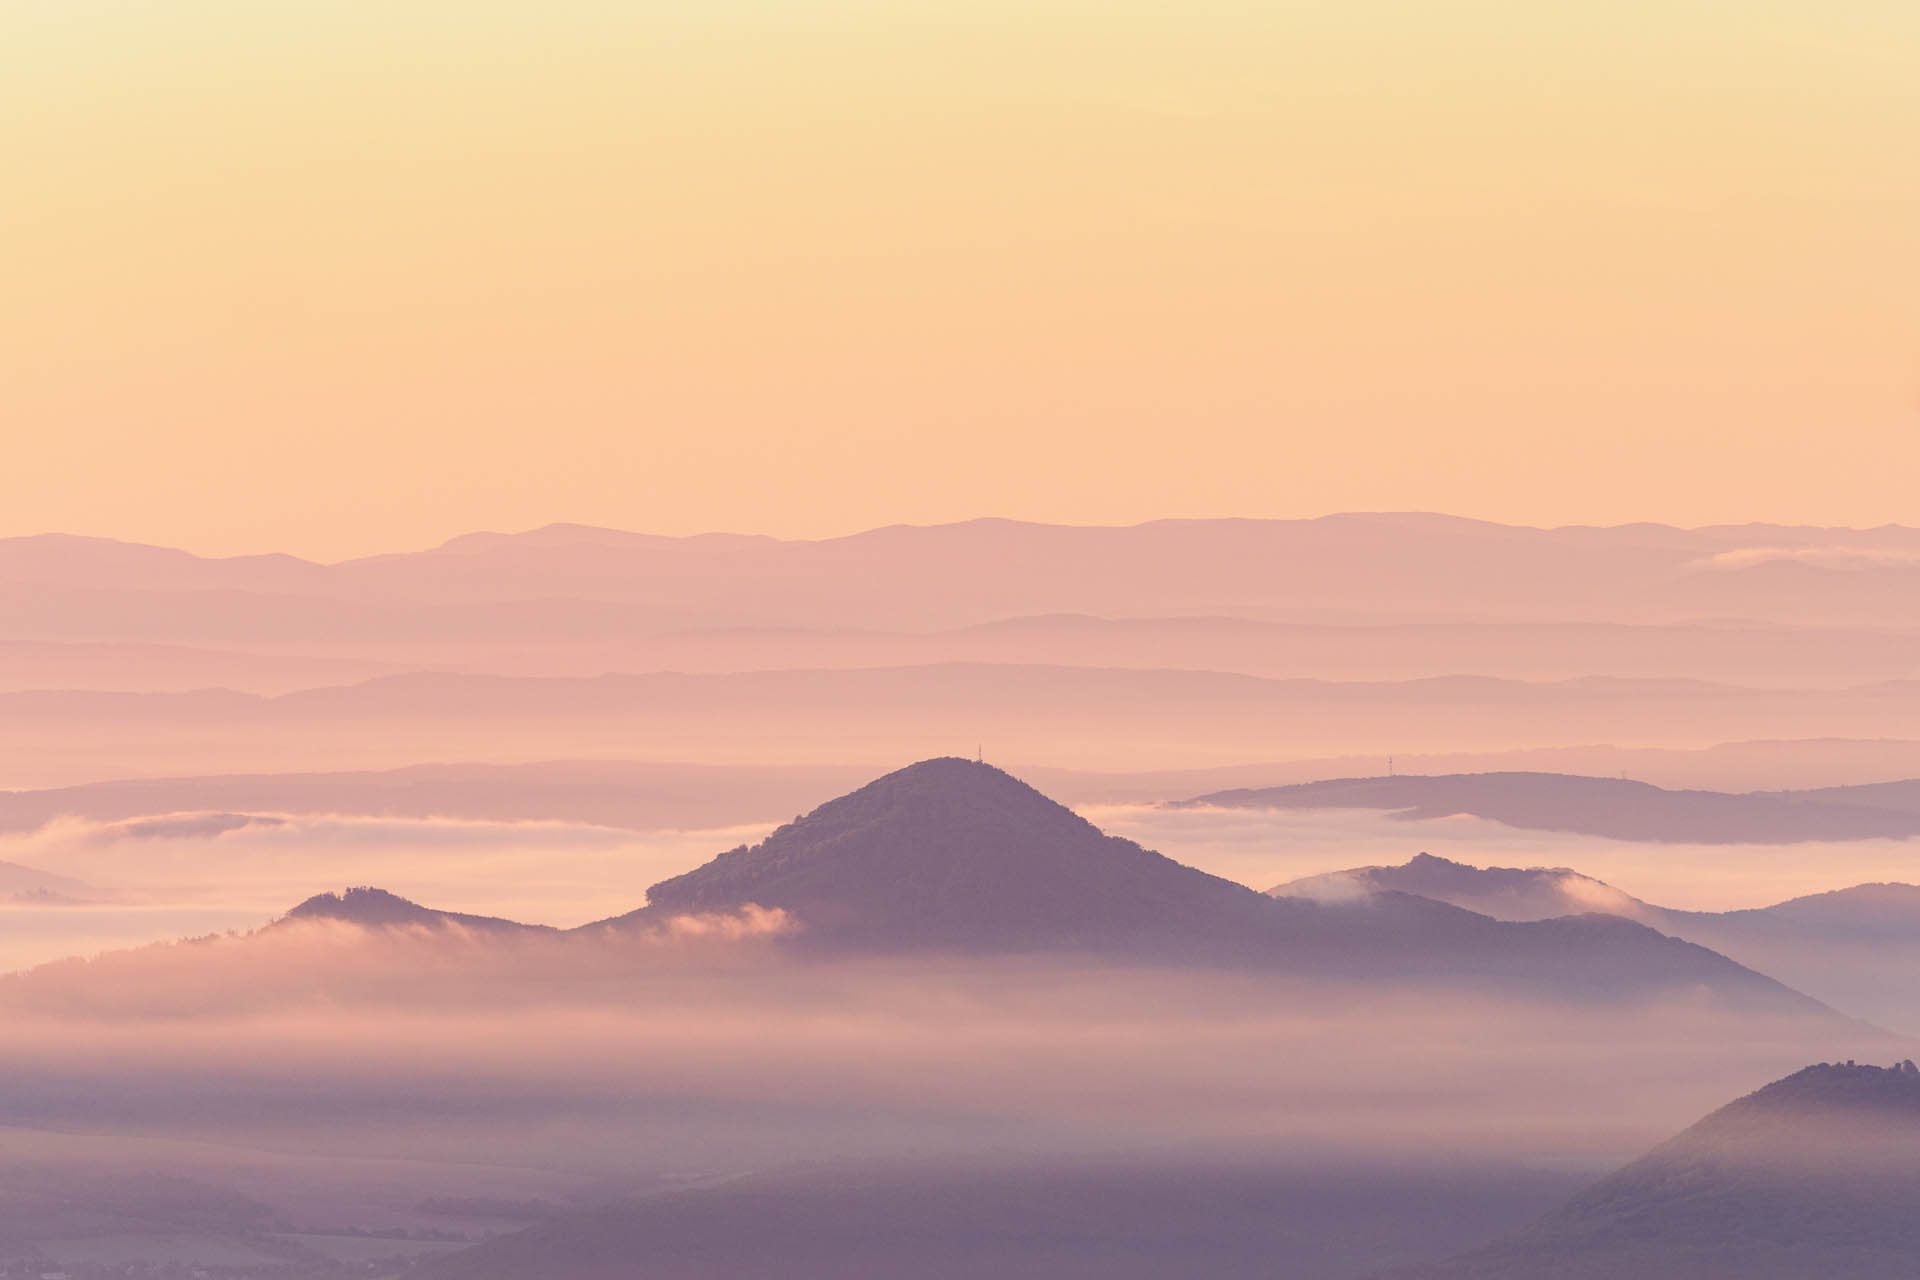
(919, 576)
(1505, 893)
(1850, 947)
(1616, 808)
(31, 885)
(1538, 893)
(1107, 719)
(377, 909)
(573, 637)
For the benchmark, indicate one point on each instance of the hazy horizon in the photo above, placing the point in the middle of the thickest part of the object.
(561, 525)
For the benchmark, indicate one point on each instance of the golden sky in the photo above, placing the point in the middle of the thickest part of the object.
(336, 277)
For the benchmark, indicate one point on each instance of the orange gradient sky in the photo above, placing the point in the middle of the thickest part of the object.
(341, 277)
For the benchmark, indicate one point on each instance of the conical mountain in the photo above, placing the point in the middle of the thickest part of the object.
(955, 853)
(1815, 1175)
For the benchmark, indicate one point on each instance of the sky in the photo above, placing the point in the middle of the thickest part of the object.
(344, 277)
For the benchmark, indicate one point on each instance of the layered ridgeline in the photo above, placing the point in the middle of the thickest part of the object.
(955, 857)
(1860, 913)
(1815, 1175)
(1400, 564)
(1852, 947)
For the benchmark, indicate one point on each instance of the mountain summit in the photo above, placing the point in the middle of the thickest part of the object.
(956, 853)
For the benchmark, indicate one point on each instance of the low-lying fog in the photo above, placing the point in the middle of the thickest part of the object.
(1263, 848)
(155, 879)
(540, 1064)
(632, 1056)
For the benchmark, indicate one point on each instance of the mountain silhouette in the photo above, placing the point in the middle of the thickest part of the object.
(1885, 912)
(1817, 1174)
(955, 855)
(1849, 947)
(29, 884)
(377, 909)
(1505, 893)
(1396, 563)
(1617, 808)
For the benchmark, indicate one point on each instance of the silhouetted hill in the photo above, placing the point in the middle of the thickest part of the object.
(1815, 1175)
(1896, 797)
(951, 852)
(955, 855)
(1505, 893)
(1852, 948)
(1613, 807)
(31, 884)
(378, 909)
(1862, 913)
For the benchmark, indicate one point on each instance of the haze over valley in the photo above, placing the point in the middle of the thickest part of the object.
(489, 857)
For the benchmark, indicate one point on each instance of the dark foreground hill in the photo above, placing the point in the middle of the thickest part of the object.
(954, 855)
(1142, 1217)
(1815, 1175)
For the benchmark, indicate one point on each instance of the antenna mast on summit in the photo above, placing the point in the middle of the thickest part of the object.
(980, 753)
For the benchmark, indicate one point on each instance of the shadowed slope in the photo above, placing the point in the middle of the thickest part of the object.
(1816, 1174)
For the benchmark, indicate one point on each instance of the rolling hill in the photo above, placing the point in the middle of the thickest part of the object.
(1816, 1174)
(377, 909)
(1851, 947)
